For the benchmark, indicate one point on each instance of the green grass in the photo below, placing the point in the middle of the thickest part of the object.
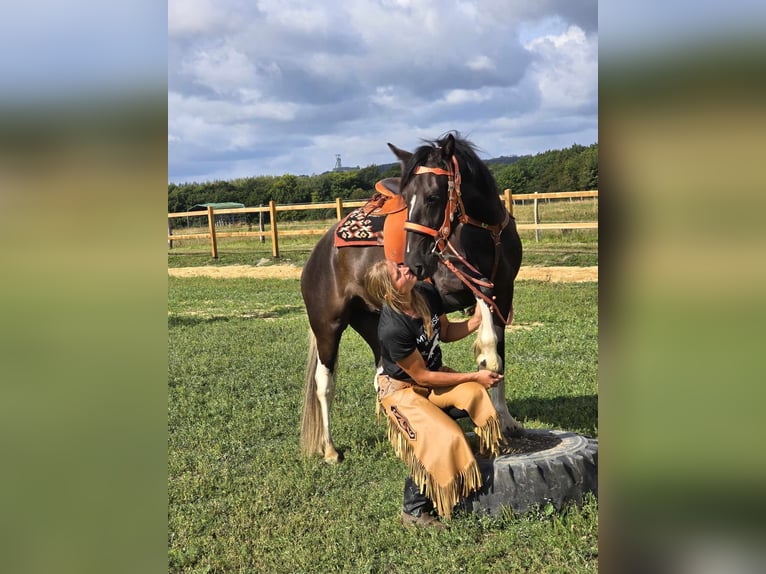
(241, 497)
(568, 251)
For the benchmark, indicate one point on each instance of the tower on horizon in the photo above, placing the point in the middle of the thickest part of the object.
(339, 167)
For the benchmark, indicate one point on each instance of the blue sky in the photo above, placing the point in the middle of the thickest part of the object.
(281, 86)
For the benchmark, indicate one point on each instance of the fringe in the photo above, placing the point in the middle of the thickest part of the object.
(490, 437)
(444, 497)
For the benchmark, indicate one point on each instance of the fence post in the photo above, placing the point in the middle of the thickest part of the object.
(339, 208)
(508, 201)
(274, 239)
(170, 232)
(211, 227)
(260, 224)
(537, 218)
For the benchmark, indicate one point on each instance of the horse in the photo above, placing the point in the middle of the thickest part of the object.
(457, 233)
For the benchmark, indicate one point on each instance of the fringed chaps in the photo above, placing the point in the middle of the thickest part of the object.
(432, 444)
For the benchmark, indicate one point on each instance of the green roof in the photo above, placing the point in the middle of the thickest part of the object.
(222, 205)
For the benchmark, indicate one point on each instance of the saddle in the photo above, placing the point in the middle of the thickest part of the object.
(378, 222)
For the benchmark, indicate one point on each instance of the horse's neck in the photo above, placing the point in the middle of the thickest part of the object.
(486, 208)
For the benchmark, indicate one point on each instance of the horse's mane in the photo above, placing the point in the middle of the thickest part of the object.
(471, 167)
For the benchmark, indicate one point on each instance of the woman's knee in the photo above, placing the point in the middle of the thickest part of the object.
(475, 388)
(472, 394)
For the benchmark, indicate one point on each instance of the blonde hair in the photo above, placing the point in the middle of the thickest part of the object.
(381, 288)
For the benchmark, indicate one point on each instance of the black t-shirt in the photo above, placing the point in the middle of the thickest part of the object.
(401, 334)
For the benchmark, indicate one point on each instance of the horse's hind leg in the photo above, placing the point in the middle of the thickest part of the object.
(325, 385)
(328, 342)
(366, 324)
(315, 426)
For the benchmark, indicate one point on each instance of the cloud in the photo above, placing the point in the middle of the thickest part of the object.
(565, 69)
(466, 96)
(317, 78)
(481, 62)
(221, 68)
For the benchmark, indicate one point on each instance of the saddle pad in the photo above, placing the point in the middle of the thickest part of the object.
(379, 222)
(360, 228)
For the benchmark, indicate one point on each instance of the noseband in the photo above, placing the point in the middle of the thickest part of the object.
(442, 233)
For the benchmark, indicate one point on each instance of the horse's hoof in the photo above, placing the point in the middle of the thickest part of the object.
(333, 458)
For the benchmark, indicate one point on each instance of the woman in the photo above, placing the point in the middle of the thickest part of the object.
(415, 386)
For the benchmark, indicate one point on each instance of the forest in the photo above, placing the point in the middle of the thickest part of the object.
(571, 169)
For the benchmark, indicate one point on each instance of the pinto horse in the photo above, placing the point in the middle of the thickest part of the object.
(458, 234)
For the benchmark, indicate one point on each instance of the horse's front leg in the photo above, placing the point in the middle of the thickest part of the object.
(489, 340)
(485, 346)
(509, 425)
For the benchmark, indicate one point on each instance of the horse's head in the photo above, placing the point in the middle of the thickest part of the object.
(430, 180)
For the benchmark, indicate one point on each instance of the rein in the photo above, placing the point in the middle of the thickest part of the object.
(441, 235)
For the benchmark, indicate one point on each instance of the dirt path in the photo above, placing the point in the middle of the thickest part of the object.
(552, 274)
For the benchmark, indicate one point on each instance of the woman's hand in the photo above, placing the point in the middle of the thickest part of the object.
(477, 313)
(488, 379)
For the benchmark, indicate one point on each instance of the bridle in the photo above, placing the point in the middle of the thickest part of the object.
(442, 234)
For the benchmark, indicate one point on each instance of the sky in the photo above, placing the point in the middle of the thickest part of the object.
(269, 87)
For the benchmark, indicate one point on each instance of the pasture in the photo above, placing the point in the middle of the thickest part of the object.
(241, 497)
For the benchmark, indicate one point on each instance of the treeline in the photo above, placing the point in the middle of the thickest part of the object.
(571, 169)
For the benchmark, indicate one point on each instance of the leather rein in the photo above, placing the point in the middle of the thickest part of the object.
(441, 236)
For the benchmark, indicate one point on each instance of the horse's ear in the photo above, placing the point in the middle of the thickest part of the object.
(404, 156)
(448, 149)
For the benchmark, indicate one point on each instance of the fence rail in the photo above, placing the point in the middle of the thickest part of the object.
(339, 205)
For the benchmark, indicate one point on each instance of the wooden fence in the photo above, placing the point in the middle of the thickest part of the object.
(340, 205)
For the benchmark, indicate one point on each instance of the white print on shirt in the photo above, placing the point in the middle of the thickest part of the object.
(433, 344)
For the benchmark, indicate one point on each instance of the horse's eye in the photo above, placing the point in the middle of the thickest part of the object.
(432, 199)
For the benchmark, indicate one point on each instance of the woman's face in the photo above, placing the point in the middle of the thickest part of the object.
(402, 278)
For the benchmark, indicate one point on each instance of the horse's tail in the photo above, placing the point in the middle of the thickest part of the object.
(312, 428)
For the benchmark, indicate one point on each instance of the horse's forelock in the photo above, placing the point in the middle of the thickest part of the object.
(466, 153)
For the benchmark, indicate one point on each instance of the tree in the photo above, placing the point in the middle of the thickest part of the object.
(571, 169)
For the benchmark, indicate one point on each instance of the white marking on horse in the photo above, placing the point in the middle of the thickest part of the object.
(485, 346)
(412, 208)
(378, 372)
(485, 351)
(325, 387)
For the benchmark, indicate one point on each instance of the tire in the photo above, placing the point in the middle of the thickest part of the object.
(560, 474)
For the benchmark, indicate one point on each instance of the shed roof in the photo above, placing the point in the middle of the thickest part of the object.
(222, 205)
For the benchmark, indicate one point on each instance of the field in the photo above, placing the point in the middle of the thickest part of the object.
(241, 497)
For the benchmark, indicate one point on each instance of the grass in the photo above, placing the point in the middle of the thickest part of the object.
(241, 497)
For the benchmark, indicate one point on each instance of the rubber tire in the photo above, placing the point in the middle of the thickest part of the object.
(521, 482)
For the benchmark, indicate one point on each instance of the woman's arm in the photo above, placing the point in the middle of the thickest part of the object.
(415, 367)
(456, 330)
